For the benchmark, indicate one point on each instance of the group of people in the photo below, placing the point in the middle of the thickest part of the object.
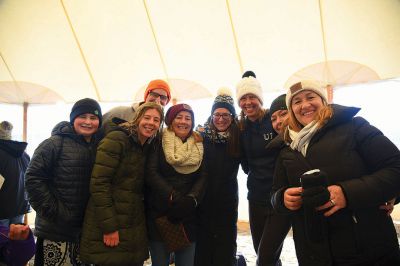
(105, 186)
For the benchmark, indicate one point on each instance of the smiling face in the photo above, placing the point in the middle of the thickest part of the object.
(182, 124)
(148, 125)
(159, 96)
(305, 106)
(277, 118)
(250, 105)
(86, 125)
(222, 119)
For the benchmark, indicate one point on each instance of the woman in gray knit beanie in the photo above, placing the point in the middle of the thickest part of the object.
(5, 130)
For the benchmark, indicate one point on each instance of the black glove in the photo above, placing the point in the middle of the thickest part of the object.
(315, 196)
(315, 225)
(315, 193)
(314, 220)
(314, 178)
(181, 208)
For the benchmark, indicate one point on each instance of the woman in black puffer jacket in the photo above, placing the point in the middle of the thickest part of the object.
(57, 182)
(336, 214)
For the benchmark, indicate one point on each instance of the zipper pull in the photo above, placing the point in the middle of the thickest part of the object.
(354, 218)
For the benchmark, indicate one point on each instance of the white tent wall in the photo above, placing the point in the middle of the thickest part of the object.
(109, 49)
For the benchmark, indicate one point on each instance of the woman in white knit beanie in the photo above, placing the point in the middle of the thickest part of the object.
(268, 229)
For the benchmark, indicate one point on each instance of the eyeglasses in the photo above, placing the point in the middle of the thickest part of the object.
(224, 116)
(156, 95)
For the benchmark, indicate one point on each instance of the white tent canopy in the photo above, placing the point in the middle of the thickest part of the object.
(108, 50)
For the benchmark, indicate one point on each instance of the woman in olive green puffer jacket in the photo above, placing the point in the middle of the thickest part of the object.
(114, 229)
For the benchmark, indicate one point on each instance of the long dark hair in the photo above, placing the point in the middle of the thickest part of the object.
(233, 146)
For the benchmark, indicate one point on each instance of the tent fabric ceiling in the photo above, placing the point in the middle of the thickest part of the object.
(108, 50)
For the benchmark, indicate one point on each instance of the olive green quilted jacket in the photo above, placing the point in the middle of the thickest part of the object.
(116, 203)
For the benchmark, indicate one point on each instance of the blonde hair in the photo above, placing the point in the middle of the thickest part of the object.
(322, 117)
(131, 126)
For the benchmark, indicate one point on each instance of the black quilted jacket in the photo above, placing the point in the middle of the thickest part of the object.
(57, 182)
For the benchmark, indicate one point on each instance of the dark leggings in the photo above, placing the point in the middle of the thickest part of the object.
(268, 231)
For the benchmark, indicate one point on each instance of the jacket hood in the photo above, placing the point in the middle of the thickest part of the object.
(342, 114)
(113, 125)
(14, 148)
(65, 129)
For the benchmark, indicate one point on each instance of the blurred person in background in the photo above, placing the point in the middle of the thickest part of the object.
(17, 245)
(13, 163)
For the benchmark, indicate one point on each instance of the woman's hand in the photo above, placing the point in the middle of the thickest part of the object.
(111, 239)
(336, 202)
(388, 206)
(292, 198)
(18, 232)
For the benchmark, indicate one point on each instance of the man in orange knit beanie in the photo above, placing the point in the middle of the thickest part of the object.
(157, 91)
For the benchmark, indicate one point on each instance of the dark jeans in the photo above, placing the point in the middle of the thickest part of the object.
(160, 256)
(268, 231)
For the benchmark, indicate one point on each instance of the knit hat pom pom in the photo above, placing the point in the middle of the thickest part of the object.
(224, 100)
(249, 85)
(224, 91)
(249, 73)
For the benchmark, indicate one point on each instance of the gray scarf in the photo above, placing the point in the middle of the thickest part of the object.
(301, 139)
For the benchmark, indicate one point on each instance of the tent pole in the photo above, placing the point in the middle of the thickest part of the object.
(24, 138)
(25, 119)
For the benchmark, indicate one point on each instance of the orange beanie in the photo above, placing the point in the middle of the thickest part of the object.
(158, 84)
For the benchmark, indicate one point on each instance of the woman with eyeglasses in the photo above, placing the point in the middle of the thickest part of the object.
(268, 229)
(218, 212)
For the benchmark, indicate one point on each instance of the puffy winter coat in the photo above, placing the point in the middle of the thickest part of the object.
(258, 162)
(57, 182)
(116, 202)
(366, 165)
(13, 164)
